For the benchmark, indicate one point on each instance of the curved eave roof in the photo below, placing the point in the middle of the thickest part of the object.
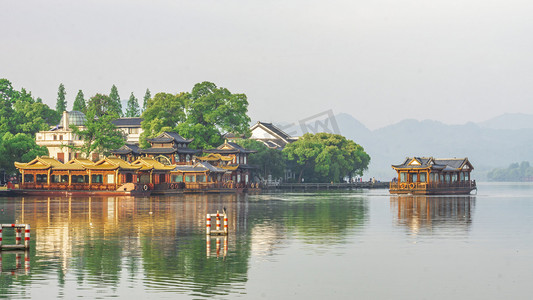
(147, 164)
(158, 151)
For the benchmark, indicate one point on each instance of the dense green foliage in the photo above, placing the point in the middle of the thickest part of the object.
(132, 110)
(266, 161)
(20, 147)
(99, 133)
(21, 116)
(515, 172)
(61, 104)
(325, 157)
(163, 113)
(116, 105)
(204, 114)
(79, 103)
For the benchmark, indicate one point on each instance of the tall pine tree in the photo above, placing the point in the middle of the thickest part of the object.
(79, 103)
(115, 99)
(132, 110)
(147, 97)
(61, 104)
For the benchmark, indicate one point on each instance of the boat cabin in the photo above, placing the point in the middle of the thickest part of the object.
(428, 176)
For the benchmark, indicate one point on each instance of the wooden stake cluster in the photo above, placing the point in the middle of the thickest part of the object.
(217, 231)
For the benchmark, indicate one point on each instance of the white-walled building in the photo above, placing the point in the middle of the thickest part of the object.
(59, 137)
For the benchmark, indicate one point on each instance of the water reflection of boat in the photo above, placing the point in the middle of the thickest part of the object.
(419, 213)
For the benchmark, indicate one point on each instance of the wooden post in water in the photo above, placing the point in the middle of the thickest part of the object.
(27, 238)
(208, 224)
(218, 221)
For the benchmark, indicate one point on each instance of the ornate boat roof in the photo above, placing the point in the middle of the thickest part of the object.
(445, 164)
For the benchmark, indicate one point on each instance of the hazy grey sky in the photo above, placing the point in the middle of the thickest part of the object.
(381, 61)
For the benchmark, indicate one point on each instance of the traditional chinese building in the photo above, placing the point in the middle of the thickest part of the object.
(238, 165)
(46, 173)
(428, 175)
(170, 148)
(270, 135)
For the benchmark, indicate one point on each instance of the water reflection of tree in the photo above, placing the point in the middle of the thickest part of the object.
(428, 214)
(317, 217)
(100, 240)
(160, 239)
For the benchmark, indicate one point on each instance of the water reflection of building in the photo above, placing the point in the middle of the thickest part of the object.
(430, 213)
(65, 227)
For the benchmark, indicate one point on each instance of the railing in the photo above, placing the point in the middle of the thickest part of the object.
(431, 185)
(66, 186)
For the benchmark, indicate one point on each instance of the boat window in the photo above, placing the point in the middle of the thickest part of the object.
(441, 177)
(462, 176)
(467, 176)
(190, 178)
(97, 178)
(28, 177)
(110, 178)
(64, 178)
(55, 178)
(454, 177)
(414, 177)
(177, 178)
(200, 178)
(41, 178)
(423, 177)
(448, 178)
(403, 177)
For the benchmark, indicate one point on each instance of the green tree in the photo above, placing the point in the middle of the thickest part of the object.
(147, 97)
(100, 105)
(115, 98)
(212, 111)
(515, 172)
(132, 110)
(163, 113)
(266, 161)
(19, 147)
(7, 96)
(79, 102)
(33, 116)
(99, 135)
(20, 113)
(61, 104)
(324, 157)
(204, 115)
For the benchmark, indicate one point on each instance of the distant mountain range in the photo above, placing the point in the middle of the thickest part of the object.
(495, 143)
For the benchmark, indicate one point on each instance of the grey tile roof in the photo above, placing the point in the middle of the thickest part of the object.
(169, 150)
(276, 130)
(127, 149)
(128, 122)
(446, 164)
(167, 137)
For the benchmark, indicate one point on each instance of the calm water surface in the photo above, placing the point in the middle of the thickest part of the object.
(356, 244)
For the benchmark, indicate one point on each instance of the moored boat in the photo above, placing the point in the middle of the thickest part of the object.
(433, 176)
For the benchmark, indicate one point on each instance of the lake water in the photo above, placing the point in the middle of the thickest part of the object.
(363, 244)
